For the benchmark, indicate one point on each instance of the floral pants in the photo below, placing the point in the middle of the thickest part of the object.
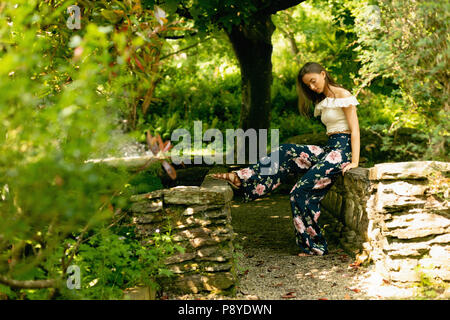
(321, 166)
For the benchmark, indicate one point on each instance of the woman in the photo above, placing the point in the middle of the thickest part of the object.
(320, 164)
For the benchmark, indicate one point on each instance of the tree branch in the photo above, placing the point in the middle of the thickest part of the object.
(188, 47)
(278, 5)
(75, 248)
(29, 284)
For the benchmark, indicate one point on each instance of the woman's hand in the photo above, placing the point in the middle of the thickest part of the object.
(349, 166)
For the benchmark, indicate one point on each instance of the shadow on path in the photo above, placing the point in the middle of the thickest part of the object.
(268, 264)
(264, 223)
(270, 269)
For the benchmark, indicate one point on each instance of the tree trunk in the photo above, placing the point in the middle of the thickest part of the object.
(253, 48)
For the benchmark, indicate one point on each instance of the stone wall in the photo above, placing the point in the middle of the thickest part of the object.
(200, 219)
(390, 215)
(393, 215)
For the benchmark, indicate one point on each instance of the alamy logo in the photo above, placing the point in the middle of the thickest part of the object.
(74, 20)
(184, 146)
(74, 279)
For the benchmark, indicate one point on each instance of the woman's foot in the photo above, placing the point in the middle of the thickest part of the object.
(230, 177)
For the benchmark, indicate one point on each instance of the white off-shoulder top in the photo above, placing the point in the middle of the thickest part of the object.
(333, 117)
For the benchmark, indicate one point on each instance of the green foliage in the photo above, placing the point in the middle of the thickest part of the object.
(409, 47)
(195, 99)
(146, 180)
(237, 254)
(65, 92)
(323, 32)
(284, 94)
(211, 92)
(293, 124)
(49, 130)
(212, 15)
(428, 287)
(368, 60)
(113, 259)
(62, 94)
(345, 38)
(183, 99)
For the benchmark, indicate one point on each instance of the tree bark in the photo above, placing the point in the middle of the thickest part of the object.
(252, 45)
(253, 48)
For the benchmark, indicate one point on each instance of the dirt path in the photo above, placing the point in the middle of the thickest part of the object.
(269, 267)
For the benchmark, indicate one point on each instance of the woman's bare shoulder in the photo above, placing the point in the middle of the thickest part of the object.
(343, 93)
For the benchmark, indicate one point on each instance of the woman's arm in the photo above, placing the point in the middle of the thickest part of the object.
(353, 123)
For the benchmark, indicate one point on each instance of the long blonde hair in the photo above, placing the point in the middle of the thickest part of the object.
(307, 97)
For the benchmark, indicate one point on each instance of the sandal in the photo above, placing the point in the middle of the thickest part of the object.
(230, 177)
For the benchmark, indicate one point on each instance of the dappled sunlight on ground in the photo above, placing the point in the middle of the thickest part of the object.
(270, 267)
(375, 286)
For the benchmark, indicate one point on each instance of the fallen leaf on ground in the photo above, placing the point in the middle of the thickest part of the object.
(289, 295)
(355, 264)
(322, 299)
(354, 290)
(347, 297)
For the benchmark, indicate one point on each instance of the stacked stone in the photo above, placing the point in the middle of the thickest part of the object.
(200, 221)
(344, 210)
(409, 230)
(390, 214)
